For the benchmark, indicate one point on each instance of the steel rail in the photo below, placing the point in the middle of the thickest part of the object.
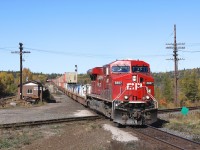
(49, 121)
(173, 135)
(196, 144)
(160, 140)
(160, 111)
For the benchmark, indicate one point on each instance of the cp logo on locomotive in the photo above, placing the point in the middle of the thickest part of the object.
(133, 86)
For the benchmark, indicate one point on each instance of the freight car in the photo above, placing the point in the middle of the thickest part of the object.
(122, 90)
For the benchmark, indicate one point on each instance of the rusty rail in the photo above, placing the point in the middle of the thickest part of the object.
(49, 121)
(161, 111)
(168, 139)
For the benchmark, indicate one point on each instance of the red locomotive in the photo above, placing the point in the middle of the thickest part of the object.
(124, 91)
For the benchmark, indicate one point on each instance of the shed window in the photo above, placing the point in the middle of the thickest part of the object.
(29, 91)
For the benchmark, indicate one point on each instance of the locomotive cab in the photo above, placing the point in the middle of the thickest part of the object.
(133, 90)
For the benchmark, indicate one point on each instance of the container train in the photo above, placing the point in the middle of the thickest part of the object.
(122, 90)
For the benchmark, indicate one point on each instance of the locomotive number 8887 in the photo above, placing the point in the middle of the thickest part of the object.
(123, 91)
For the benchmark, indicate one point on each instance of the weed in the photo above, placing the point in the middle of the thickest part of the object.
(189, 123)
(17, 138)
(196, 138)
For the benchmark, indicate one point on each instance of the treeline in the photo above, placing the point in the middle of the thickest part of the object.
(83, 79)
(188, 86)
(9, 80)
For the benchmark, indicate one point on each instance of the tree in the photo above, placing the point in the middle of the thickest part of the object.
(26, 75)
(167, 89)
(7, 83)
(189, 85)
(198, 88)
(40, 77)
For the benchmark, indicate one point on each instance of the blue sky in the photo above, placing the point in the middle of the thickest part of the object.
(90, 33)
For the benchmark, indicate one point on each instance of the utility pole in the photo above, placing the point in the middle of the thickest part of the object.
(176, 59)
(21, 52)
(21, 49)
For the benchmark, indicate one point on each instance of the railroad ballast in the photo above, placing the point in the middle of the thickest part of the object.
(122, 90)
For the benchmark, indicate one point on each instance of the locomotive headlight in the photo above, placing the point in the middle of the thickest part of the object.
(134, 78)
(126, 97)
(147, 97)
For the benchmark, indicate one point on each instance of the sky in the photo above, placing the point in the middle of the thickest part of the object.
(90, 33)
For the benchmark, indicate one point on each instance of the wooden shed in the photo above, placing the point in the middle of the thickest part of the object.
(31, 89)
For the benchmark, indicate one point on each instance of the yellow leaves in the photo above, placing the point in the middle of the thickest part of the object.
(6, 82)
(26, 75)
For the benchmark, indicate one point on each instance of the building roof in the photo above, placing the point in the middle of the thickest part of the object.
(32, 81)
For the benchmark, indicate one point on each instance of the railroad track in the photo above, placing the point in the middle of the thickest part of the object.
(169, 141)
(162, 111)
(50, 121)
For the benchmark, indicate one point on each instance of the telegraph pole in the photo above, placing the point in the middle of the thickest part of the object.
(21, 49)
(21, 52)
(176, 59)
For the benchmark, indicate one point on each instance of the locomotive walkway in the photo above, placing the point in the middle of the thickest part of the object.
(65, 108)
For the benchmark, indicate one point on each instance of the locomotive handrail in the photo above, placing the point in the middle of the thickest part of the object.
(119, 95)
(153, 98)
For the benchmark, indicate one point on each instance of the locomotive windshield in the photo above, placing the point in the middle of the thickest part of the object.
(120, 69)
(140, 69)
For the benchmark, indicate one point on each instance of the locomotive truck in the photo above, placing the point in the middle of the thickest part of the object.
(122, 90)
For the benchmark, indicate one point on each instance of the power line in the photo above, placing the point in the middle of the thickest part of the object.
(7, 48)
(89, 54)
(66, 53)
(193, 44)
(196, 51)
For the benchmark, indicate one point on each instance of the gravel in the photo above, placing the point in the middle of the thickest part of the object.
(178, 133)
(66, 108)
(119, 135)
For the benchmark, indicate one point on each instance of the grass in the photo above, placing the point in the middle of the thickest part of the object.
(115, 145)
(189, 124)
(17, 138)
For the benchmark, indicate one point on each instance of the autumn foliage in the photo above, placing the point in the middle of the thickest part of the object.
(188, 87)
(10, 80)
